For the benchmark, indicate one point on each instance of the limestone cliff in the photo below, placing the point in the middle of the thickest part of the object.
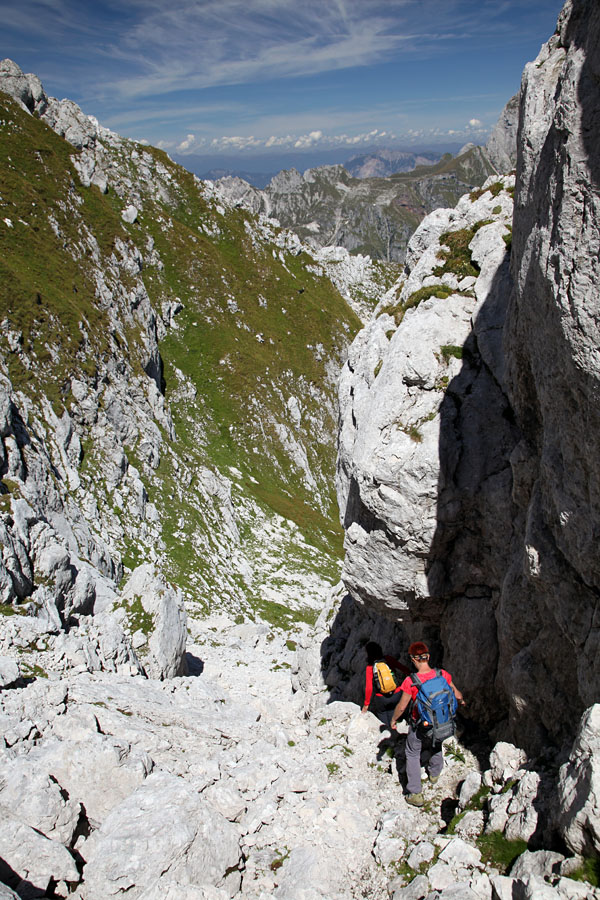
(468, 475)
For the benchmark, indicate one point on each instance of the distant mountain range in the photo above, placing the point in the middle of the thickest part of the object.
(373, 163)
(373, 203)
(374, 216)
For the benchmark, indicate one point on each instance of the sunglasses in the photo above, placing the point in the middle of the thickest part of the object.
(422, 657)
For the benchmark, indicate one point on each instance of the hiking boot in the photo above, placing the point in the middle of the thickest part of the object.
(434, 778)
(416, 799)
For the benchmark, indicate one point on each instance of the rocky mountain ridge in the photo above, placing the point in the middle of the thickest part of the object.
(369, 215)
(466, 476)
(373, 203)
(162, 361)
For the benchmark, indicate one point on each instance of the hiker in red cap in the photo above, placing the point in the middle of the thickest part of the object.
(417, 737)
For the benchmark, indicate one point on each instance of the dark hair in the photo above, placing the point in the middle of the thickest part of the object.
(374, 652)
(417, 648)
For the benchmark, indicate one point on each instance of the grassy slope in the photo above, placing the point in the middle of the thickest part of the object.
(46, 295)
(211, 261)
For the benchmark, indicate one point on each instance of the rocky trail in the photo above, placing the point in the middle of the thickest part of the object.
(240, 779)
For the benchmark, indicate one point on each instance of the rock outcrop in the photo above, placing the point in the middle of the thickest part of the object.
(468, 480)
(501, 147)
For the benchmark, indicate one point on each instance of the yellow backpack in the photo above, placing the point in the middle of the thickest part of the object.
(384, 679)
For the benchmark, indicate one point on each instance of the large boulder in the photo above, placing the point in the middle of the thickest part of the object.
(164, 827)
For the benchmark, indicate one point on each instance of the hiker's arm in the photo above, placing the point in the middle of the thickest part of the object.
(368, 688)
(457, 694)
(400, 708)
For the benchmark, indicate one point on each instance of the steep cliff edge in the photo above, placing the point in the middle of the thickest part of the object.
(468, 479)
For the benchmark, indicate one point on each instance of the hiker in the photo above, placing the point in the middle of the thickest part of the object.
(418, 737)
(384, 702)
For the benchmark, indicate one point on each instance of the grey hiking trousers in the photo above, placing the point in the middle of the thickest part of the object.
(433, 759)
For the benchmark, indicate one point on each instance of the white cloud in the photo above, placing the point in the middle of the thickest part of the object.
(187, 144)
(475, 123)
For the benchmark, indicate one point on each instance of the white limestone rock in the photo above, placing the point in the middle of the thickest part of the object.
(26, 89)
(579, 788)
(469, 788)
(505, 761)
(541, 863)
(189, 840)
(164, 605)
(460, 854)
(502, 143)
(7, 893)
(99, 771)
(129, 214)
(33, 857)
(10, 671)
(36, 800)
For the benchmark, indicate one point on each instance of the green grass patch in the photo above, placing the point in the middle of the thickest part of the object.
(414, 434)
(455, 253)
(47, 295)
(494, 190)
(397, 310)
(138, 618)
(499, 852)
(589, 871)
(282, 617)
(450, 351)
(7, 609)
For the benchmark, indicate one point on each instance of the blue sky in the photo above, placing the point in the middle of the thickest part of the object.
(250, 77)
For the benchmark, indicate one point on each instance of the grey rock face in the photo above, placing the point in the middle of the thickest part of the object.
(166, 628)
(502, 144)
(9, 671)
(417, 474)
(190, 840)
(579, 788)
(27, 89)
(552, 372)
(486, 524)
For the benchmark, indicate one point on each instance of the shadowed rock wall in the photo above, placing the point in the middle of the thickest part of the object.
(467, 476)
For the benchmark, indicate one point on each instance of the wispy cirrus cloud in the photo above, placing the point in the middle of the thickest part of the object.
(275, 72)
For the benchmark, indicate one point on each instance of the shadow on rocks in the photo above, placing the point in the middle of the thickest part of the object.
(24, 889)
(195, 666)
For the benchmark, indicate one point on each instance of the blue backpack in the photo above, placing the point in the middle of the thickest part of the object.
(436, 707)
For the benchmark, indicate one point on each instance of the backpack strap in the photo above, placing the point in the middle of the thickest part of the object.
(413, 703)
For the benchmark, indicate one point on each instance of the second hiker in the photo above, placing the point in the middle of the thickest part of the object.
(424, 734)
(380, 676)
